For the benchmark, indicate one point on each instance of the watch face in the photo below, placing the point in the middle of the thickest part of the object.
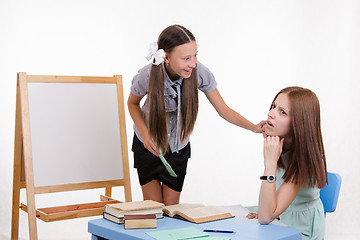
(271, 178)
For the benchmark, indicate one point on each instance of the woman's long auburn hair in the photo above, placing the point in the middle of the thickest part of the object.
(307, 161)
(169, 38)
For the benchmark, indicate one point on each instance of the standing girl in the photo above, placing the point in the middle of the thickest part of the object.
(164, 124)
(295, 165)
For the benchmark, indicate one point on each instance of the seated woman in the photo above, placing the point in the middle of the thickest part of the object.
(295, 165)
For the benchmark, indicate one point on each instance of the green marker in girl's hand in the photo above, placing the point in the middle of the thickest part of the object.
(167, 165)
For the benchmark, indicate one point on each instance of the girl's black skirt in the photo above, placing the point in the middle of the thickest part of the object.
(150, 167)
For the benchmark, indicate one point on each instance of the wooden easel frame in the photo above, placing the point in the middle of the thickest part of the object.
(23, 166)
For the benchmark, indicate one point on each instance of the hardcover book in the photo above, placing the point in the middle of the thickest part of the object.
(120, 220)
(140, 221)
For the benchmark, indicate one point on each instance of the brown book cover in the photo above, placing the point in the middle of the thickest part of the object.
(139, 216)
(140, 221)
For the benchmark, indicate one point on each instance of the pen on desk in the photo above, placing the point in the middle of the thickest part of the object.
(219, 231)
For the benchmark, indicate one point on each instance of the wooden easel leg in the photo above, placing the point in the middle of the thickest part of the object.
(16, 200)
(124, 149)
(31, 214)
(127, 190)
(28, 166)
(17, 169)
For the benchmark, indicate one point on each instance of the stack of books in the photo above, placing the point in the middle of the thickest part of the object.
(115, 212)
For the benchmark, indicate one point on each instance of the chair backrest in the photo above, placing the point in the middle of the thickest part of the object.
(330, 193)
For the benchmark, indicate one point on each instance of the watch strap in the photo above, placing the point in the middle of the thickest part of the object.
(263, 177)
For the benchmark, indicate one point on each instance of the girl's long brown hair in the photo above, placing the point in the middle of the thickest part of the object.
(307, 161)
(169, 38)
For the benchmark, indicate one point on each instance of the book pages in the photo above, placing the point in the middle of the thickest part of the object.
(171, 210)
(130, 206)
(201, 212)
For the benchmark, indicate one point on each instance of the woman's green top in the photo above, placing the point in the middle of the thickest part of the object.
(306, 212)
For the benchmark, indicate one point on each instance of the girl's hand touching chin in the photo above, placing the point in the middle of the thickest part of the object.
(272, 150)
(259, 128)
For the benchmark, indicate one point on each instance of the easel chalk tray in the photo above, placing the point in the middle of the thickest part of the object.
(58, 213)
(63, 121)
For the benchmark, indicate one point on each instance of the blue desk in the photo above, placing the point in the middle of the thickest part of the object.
(245, 229)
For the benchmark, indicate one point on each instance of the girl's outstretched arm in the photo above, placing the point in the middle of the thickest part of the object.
(135, 112)
(229, 114)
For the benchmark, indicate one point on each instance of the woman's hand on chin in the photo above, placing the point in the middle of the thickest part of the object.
(272, 150)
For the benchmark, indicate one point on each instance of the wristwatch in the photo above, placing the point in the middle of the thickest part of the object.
(270, 178)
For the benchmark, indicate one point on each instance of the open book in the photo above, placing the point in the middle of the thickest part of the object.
(196, 213)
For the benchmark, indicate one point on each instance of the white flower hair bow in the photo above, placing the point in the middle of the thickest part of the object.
(155, 55)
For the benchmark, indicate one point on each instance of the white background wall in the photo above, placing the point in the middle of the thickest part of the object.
(254, 49)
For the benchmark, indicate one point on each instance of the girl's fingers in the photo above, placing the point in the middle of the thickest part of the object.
(263, 123)
(151, 149)
(153, 152)
(252, 215)
(260, 126)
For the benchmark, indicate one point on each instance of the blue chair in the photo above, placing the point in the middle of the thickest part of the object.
(330, 193)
